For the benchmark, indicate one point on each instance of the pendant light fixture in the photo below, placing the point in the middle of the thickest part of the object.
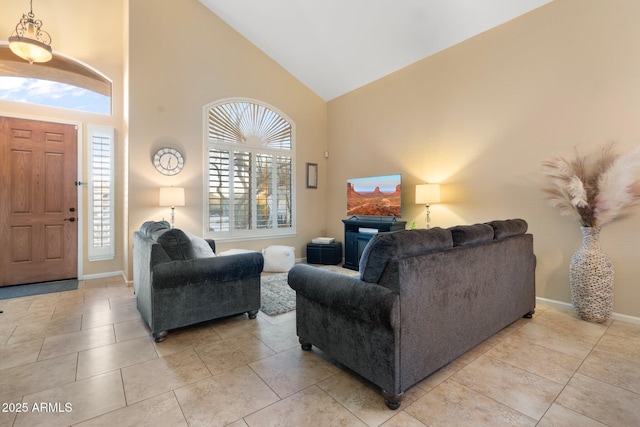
(29, 41)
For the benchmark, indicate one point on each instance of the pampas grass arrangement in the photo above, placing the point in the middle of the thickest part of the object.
(595, 189)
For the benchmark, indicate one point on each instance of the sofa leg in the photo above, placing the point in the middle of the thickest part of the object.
(159, 336)
(252, 314)
(530, 314)
(305, 345)
(392, 400)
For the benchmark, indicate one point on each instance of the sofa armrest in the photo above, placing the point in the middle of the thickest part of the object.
(178, 273)
(348, 294)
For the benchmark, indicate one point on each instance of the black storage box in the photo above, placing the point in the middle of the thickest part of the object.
(329, 253)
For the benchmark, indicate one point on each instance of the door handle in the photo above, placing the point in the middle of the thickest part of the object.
(70, 219)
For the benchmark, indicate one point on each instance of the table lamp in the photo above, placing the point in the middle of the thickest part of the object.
(427, 194)
(172, 196)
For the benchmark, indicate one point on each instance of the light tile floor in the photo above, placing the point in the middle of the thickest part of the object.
(86, 358)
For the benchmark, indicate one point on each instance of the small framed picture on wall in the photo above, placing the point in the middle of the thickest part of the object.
(312, 175)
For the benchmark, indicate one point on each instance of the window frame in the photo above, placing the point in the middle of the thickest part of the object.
(252, 233)
(100, 252)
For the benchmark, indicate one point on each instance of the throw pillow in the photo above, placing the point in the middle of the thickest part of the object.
(201, 248)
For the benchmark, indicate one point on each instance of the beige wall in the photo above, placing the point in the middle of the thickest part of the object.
(91, 32)
(478, 117)
(183, 57)
(481, 116)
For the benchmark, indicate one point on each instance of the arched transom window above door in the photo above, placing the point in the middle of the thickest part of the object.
(62, 82)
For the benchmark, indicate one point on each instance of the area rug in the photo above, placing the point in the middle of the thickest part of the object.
(17, 291)
(277, 296)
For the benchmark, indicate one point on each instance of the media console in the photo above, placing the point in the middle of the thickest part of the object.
(358, 232)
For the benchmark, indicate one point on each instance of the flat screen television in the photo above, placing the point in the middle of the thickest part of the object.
(374, 196)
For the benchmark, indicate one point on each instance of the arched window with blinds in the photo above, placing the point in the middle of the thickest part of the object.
(250, 167)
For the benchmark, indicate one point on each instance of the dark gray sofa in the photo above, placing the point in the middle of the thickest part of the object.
(178, 280)
(423, 298)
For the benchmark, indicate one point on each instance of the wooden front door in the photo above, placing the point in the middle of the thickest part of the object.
(38, 201)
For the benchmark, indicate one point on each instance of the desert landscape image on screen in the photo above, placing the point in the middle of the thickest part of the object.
(374, 196)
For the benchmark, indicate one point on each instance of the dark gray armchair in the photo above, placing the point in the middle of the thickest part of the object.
(179, 281)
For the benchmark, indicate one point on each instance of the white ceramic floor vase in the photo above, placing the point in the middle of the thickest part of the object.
(591, 278)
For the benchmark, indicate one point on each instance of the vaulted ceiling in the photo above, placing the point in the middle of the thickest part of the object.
(336, 46)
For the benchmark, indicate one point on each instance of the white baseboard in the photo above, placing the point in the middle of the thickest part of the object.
(566, 306)
(554, 303)
(103, 275)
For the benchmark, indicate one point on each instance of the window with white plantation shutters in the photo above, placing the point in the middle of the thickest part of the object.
(101, 196)
(218, 190)
(250, 164)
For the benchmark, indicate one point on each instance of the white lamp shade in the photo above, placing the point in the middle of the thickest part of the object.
(427, 193)
(171, 196)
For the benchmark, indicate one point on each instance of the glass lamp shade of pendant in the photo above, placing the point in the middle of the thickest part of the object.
(31, 50)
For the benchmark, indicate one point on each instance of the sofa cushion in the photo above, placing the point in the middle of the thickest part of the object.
(470, 234)
(396, 244)
(176, 244)
(151, 227)
(508, 227)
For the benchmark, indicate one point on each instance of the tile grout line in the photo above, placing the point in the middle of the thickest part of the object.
(571, 378)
